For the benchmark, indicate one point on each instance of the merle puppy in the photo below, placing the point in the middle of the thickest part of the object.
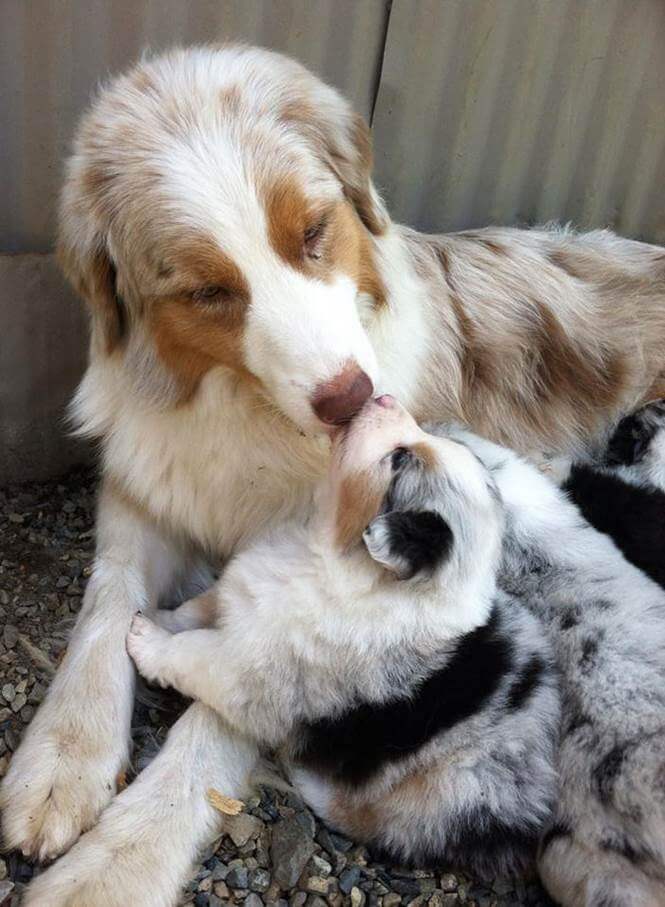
(414, 704)
(606, 621)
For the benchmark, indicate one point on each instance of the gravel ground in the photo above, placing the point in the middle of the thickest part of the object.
(275, 852)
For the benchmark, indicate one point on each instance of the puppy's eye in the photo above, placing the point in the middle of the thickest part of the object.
(399, 458)
(210, 294)
(312, 240)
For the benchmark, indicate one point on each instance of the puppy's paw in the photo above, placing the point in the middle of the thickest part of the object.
(146, 643)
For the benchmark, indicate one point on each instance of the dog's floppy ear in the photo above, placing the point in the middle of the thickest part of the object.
(342, 140)
(408, 542)
(92, 274)
(85, 260)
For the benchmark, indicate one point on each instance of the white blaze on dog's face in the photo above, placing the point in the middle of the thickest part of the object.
(219, 206)
(412, 497)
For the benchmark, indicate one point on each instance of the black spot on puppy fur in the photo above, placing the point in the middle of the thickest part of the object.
(606, 772)
(357, 743)
(421, 538)
(525, 682)
(633, 517)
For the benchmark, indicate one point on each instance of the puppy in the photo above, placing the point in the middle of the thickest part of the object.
(606, 622)
(414, 705)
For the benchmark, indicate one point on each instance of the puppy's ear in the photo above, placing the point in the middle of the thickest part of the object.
(408, 542)
(342, 140)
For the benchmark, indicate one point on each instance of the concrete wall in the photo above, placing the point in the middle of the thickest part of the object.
(504, 111)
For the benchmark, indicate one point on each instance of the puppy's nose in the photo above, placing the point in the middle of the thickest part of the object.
(387, 401)
(337, 401)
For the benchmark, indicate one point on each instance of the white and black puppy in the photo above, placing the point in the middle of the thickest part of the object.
(606, 621)
(414, 704)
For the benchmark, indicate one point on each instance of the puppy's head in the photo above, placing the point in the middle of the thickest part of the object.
(219, 213)
(415, 501)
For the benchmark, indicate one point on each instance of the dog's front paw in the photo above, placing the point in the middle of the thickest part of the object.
(61, 777)
(146, 643)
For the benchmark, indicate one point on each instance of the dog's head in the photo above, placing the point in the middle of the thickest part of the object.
(219, 212)
(417, 502)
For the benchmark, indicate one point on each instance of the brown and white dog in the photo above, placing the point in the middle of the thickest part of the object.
(247, 288)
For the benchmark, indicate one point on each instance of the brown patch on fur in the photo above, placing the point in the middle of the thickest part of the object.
(359, 820)
(562, 369)
(289, 215)
(427, 456)
(358, 502)
(345, 245)
(194, 335)
(538, 370)
(346, 148)
(191, 340)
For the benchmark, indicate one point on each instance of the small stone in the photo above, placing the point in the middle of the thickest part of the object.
(253, 900)
(238, 877)
(357, 897)
(10, 636)
(290, 850)
(392, 899)
(243, 828)
(317, 885)
(215, 901)
(306, 819)
(219, 872)
(348, 879)
(322, 867)
(205, 884)
(202, 899)
(8, 692)
(259, 880)
(16, 518)
(449, 882)
(19, 701)
(3, 870)
(221, 890)
(315, 901)
(298, 899)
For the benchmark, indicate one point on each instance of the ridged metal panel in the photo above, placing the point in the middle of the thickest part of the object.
(54, 52)
(523, 111)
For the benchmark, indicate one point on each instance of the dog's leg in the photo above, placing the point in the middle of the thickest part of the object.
(143, 846)
(194, 614)
(64, 773)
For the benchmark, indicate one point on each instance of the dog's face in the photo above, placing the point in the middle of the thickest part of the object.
(219, 213)
(414, 499)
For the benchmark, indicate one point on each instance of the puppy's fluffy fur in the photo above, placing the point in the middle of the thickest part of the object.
(414, 704)
(624, 493)
(606, 622)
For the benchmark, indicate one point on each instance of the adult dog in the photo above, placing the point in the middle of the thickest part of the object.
(247, 287)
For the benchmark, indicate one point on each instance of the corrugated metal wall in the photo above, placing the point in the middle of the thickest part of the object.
(504, 111)
(524, 111)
